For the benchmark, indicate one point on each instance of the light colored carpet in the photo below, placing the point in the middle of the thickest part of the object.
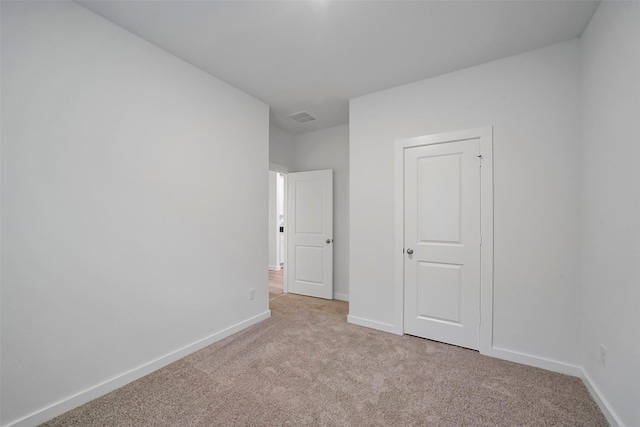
(307, 366)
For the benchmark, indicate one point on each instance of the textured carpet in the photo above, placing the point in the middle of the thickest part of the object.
(307, 366)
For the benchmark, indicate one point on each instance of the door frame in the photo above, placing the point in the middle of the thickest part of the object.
(485, 136)
(274, 167)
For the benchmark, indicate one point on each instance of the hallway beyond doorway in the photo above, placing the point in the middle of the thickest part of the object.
(276, 283)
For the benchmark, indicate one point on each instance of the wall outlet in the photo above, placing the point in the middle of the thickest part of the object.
(603, 354)
(252, 294)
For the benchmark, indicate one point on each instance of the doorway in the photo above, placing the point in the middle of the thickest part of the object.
(300, 232)
(276, 230)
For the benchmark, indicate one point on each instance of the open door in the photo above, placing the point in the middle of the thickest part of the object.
(310, 233)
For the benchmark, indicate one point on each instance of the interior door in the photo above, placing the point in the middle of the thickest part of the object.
(310, 233)
(442, 242)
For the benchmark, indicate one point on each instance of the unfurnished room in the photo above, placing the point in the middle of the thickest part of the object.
(320, 213)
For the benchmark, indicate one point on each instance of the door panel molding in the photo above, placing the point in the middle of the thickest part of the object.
(485, 137)
(310, 239)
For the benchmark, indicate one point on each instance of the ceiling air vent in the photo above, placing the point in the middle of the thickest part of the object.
(302, 117)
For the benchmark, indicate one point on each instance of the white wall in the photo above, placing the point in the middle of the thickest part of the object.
(611, 206)
(281, 146)
(131, 184)
(532, 102)
(329, 149)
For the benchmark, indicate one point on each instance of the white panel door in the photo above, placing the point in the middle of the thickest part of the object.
(310, 235)
(442, 242)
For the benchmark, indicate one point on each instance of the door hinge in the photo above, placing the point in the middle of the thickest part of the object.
(479, 156)
(480, 239)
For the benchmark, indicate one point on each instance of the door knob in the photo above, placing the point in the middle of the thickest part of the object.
(410, 251)
(328, 241)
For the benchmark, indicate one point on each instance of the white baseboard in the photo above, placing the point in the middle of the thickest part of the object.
(563, 368)
(101, 389)
(373, 324)
(604, 406)
(341, 297)
(536, 361)
(274, 267)
(96, 391)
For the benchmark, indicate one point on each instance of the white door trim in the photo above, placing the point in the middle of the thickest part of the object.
(485, 135)
(285, 280)
(279, 168)
(284, 170)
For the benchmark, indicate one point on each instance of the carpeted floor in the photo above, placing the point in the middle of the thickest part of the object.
(307, 366)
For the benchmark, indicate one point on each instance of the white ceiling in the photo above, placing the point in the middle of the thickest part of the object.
(316, 55)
